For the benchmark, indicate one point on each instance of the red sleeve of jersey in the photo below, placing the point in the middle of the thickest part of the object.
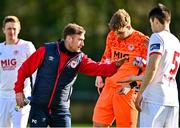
(28, 68)
(92, 68)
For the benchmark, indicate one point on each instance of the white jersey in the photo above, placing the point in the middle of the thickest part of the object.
(11, 58)
(163, 88)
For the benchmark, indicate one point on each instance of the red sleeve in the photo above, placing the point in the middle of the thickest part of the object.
(28, 68)
(92, 68)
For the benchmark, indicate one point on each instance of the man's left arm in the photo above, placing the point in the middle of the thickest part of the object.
(150, 72)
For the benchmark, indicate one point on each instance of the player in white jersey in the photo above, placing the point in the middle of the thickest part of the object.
(13, 52)
(157, 99)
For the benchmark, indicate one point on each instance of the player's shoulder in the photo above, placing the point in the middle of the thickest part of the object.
(140, 37)
(139, 34)
(22, 41)
(111, 39)
(111, 35)
(25, 43)
(156, 37)
(1, 43)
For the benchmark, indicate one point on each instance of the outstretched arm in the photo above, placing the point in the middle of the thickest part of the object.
(93, 68)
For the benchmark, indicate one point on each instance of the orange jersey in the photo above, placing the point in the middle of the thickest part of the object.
(133, 46)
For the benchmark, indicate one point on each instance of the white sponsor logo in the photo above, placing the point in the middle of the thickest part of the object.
(51, 58)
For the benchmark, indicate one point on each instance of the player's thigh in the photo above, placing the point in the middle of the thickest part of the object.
(16, 119)
(38, 117)
(25, 116)
(60, 118)
(20, 118)
(103, 111)
(125, 112)
(5, 118)
(173, 117)
(152, 115)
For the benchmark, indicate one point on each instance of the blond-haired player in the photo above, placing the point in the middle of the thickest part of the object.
(13, 52)
(121, 41)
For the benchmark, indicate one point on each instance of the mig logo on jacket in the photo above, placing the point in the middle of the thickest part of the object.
(8, 64)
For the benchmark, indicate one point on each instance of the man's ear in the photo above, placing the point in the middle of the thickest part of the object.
(68, 38)
(156, 21)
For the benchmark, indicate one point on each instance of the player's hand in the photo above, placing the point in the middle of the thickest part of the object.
(138, 101)
(99, 83)
(20, 99)
(123, 90)
(121, 61)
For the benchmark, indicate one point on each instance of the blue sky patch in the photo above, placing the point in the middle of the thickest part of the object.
(154, 47)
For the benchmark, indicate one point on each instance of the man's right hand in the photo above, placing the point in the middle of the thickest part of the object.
(99, 83)
(20, 99)
(121, 61)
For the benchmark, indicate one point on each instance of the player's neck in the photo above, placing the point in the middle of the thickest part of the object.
(11, 41)
(131, 31)
(166, 28)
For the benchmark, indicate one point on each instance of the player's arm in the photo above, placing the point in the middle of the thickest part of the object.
(155, 53)
(150, 72)
(92, 68)
(99, 82)
(26, 70)
(31, 49)
(140, 62)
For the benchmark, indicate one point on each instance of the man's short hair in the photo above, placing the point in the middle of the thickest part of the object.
(119, 19)
(13, 19)
(72, 29)
(161, 12)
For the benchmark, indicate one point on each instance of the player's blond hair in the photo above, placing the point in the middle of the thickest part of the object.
(119, 19)
(13, 19)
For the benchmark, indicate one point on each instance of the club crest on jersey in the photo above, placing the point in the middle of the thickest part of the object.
(130, 47)
(73, 64)
(15, 52)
